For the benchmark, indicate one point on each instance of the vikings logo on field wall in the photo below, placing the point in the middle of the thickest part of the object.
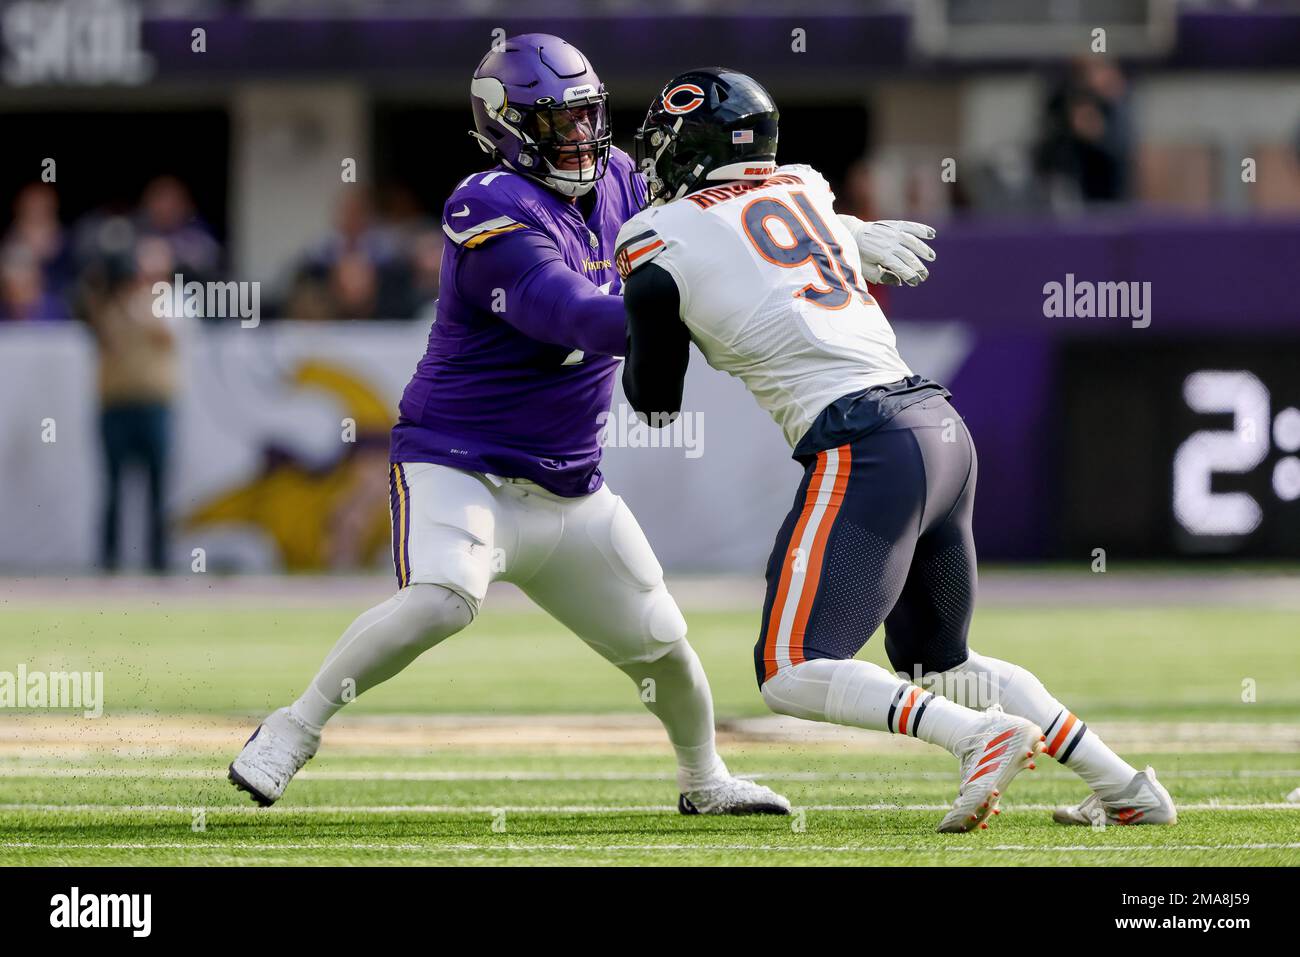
(318, 517)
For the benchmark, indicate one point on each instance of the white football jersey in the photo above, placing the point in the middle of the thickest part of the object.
(771, 290)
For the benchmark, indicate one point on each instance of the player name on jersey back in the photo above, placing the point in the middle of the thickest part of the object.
(717, 194)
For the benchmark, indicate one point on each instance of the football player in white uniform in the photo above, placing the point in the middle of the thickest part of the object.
(749, 261)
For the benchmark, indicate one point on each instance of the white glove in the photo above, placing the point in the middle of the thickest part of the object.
(891, 251)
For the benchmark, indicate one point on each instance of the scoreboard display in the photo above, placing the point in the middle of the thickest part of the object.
(1178, 448)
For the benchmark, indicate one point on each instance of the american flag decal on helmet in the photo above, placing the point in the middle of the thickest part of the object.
(741, 136)
(637, 251)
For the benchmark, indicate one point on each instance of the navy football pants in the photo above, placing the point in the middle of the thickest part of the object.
(880, 531)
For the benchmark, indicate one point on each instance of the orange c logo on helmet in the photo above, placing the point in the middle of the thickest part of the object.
(683, 98)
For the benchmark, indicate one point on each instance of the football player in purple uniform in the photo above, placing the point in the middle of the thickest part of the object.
(495, 458)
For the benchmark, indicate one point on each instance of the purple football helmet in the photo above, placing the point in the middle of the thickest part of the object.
(540, 107)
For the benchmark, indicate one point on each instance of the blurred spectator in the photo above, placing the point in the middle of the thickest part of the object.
(23, 292)
(370, 266)
(137, 382)
(354, 285)
(420, 239)
(167, 211)
(107, 243)
(1085, 149)
(355, 231)
(36, 228)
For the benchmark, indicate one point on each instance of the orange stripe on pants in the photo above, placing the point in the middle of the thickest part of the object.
(812, 580)
(783, 588)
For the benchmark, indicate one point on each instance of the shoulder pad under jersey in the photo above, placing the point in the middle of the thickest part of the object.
(807, 174)
(487, 205)
(638, 243)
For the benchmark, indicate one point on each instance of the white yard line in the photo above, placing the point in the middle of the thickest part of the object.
(25, 770)
(365, 809)
(47, 737)
(644, 848)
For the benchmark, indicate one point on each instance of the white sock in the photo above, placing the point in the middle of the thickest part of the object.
(862, 695)
(675, 690)
(1019, 692)
(380, 643)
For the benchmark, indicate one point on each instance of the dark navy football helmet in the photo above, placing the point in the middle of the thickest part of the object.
(707, 124)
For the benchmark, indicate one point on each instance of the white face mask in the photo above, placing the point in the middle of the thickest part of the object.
(578, 124)
(566, 182)
(563, 181)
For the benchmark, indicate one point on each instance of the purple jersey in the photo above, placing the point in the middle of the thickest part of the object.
(519, 363)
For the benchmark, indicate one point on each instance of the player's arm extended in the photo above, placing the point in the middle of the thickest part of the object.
(658, 345)
(891, 251)
(522, 277)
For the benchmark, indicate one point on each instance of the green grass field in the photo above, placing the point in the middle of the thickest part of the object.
(476, 755)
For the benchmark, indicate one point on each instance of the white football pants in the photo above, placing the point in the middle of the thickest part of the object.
(584, 560)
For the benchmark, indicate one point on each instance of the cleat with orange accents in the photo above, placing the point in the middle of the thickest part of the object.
(989, 760)
(1144, 801)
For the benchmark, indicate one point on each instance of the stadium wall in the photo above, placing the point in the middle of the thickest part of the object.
(265, 476)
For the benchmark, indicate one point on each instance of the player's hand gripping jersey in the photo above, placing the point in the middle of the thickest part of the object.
(769, 288)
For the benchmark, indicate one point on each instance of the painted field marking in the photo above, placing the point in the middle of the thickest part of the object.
(200, 774)
(535, 808)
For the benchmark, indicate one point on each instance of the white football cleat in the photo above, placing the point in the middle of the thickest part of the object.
(272, 756)
(1144, 801)
(989, 760)
(732, 796)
